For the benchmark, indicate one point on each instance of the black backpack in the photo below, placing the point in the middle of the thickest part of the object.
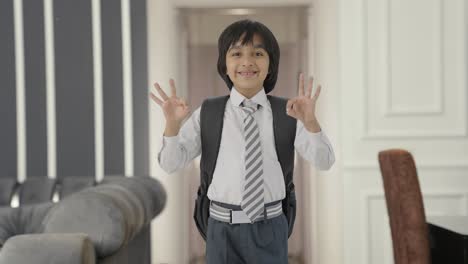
(211, 125)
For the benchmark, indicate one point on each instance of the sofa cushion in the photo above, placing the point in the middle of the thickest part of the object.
(36, 190)
(7, 187)
(7, 224)
(73, 184)
(22, 220)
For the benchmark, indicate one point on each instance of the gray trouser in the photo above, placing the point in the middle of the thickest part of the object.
(264, 241)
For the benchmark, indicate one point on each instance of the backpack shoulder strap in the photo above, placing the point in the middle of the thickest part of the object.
(284, 129)
(211, 127)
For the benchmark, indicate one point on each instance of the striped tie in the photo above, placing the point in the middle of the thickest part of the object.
(252, 198)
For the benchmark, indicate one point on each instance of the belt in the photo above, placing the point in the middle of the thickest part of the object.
(233, 214)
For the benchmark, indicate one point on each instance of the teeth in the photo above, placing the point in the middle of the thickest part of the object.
(247, 74)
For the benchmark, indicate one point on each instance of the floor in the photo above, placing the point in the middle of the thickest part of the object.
(292, 260)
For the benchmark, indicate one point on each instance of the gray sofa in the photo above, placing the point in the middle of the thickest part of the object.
(104, 223)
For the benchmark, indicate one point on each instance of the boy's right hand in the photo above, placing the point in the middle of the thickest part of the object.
(175, 109)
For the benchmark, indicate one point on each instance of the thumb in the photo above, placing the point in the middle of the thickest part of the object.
(291, 112)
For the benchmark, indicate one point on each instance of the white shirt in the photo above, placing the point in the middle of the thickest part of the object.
(228, 177)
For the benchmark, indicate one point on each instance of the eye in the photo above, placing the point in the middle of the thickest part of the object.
(259, 54)
(235, 54)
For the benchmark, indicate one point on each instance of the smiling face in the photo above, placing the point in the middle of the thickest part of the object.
(247, 66)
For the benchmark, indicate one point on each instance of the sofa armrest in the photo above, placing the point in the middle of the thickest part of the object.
(48, 249)
(111, 214)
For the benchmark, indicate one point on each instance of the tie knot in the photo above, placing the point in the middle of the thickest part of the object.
(249, 107)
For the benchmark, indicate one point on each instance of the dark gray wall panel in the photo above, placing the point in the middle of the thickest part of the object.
(140, 87)
(74, 88)
(36, 115)
(8, 153)
(112, 87)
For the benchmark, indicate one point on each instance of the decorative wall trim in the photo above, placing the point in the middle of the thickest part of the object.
(411, 134)
(20, 90)
(437, 108)
(50, 89)
(366, 199)
(368, 165)
(369, 133)
(98, 91)
(127, 86)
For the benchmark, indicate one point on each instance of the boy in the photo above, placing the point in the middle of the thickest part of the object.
(246, 221)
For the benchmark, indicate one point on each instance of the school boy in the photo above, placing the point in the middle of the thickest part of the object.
(246, 223)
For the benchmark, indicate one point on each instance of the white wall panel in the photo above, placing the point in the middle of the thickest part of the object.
(412, 86)
(403, 74)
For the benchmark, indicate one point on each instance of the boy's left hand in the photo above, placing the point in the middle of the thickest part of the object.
(302, 107)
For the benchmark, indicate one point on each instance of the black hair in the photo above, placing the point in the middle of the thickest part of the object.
(233, 33)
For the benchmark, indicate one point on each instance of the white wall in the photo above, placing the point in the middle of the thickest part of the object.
(168, 240)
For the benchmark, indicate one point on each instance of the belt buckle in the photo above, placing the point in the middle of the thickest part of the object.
(239, 217)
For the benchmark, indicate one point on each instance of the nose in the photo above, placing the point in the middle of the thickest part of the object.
(247, 61)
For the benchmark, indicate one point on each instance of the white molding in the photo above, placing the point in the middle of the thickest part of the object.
(387, 243)
(392, 134)
(20, 91)
(369, 165)
(50, 88)
(437, 108)
(127, 87)
(310, 67)
(366, 198)
(371, 134)
(98, 91)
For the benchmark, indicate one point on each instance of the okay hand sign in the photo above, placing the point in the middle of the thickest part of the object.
(175, 109)
(302, 107)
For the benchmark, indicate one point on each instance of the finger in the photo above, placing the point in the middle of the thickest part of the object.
(301, 84)
(289, 104)
(182, 102)
(156, 99)
(294, 107)
(309, 87)
(161, 92)
(173, 88)
(291, 112)
(317, 92)
(187, 108)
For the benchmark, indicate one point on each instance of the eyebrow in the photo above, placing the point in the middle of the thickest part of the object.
(258, 46)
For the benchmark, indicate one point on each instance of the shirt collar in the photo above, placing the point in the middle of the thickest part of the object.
(237, 98)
